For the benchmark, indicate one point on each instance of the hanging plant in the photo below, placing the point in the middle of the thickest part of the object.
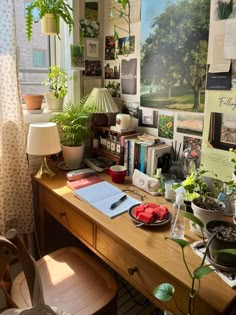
(58, 8)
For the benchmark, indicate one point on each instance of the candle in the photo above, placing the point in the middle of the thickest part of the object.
(122, 121)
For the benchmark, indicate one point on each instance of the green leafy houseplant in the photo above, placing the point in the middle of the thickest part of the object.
(123, 13)
(73, 123)
(165, 291)
(58, 8)
(57, 81)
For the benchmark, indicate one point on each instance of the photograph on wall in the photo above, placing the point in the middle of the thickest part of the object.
(173, 56)
(223, 9)
(90, 84)
(129, 76)
(91, 10)
(77, 56)
(222, 131)
(113, 87)
(131, 108)
(114, 7)
(126, 45)
(89, 29)
(110, 48)
(147, 118)
(190, 123)
(92, 49)
(112, 71)
(93, 68)
(165, 125)
(189, 141)
(215, 155)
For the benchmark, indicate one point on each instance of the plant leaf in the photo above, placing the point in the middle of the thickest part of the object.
(164, 292)
(226, 251)
(193, 218)
(202, 271)
(180, 242)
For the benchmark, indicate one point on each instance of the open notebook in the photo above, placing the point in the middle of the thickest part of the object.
(102, 195)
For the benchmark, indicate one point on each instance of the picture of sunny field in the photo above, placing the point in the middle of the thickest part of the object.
(174, 54)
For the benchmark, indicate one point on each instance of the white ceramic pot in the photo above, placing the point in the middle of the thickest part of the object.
(48, 25)
(73, 156)
(54, 104)
(208, 215)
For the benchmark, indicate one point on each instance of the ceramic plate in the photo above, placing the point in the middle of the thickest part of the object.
(155, 223)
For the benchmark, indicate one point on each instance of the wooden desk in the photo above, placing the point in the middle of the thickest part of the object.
(140, 255)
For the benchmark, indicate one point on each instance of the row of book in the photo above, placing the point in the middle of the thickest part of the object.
(142, 155)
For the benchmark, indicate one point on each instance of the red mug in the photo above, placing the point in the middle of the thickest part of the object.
(117, 173)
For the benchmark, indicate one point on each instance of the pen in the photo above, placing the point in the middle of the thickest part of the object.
(119, 201)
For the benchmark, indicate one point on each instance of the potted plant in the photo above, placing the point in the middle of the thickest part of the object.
(74, 129)
(225, 237)
(165, 291)
(204, 205)
(57, 82)
(33, 101)
(50, 12)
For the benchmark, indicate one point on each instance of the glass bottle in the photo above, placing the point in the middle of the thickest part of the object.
(177, 226)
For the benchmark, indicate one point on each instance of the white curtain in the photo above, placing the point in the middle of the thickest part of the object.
(16, 199)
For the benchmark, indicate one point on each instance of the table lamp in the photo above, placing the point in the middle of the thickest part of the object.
(100, 102)
(43, 139)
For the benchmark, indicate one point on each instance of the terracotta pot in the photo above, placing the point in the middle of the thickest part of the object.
(219, 243)
(48, 25)
(73, 156)
(53, 103)
(33, 101)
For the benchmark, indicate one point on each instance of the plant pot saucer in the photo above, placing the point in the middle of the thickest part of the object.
(196, 230)
(221, 267)
(62, 166)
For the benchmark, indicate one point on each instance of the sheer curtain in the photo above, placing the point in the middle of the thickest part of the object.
(16, 199)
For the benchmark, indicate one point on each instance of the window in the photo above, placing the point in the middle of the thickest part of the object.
(33, 56)
(40, 58)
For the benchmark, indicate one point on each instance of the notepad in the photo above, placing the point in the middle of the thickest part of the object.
(102, 195)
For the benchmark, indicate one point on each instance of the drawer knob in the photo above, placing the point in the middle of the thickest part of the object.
(62, 214)
(131, 271)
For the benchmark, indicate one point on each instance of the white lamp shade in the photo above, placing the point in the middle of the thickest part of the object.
(101, 101)
(43, 139)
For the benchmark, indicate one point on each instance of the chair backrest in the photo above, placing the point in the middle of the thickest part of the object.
(7, 251)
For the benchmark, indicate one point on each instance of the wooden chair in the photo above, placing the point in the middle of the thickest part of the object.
(72, 280)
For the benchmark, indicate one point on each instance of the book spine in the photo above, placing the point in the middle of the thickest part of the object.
(137, 148)
(142, 161)
(131, 156)
(125, 149)
(128, 157)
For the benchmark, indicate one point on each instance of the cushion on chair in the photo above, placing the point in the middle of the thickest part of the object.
(72, 281)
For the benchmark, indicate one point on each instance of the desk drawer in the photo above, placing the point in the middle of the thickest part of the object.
(68, 217)
(138, 270)
(134, 266)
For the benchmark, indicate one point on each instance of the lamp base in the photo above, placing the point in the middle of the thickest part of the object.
(44, 170)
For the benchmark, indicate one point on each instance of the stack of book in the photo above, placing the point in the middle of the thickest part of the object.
(141, 154)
